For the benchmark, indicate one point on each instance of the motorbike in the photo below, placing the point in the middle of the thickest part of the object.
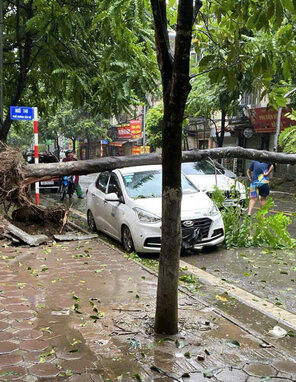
(67, 187)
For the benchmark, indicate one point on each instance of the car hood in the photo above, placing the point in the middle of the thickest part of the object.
(208, 182)
(194, 205)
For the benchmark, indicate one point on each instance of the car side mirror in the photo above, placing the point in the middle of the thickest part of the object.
(112, 197)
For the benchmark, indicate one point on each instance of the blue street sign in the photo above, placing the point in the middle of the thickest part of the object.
(21, 113)
(104, 141)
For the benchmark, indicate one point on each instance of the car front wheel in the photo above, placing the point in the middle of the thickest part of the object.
(127, 240)
(91, 221)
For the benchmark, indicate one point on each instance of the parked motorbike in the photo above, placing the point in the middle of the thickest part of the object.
(67, 187)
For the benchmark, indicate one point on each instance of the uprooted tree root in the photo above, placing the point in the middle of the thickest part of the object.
(14, 191)
(12, 176)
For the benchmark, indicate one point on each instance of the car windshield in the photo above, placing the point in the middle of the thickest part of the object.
(199, 168)
(147, 184)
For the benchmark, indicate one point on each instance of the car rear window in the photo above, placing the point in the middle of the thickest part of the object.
(198, 168)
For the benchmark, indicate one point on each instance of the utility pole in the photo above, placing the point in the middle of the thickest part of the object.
(1, 63)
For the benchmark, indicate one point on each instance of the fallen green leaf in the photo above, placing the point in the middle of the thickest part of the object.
(232, 343)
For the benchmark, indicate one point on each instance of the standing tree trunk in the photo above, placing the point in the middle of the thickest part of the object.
(58, 150)
(176, 86)
(220, 137)
(74, 145)
(4, 129)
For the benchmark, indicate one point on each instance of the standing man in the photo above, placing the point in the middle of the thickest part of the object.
(258, 174)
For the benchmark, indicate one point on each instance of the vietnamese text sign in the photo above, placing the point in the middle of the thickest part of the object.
(21, 113)
(124, 131)
(264, 120)
(136, 128)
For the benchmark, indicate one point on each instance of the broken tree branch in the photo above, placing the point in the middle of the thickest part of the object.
(110, 163)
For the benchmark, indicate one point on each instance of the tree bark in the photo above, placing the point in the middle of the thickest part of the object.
(175, 82)
(220, 136)
(84, 167)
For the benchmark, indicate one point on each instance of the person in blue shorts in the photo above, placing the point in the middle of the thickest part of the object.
(258, 174)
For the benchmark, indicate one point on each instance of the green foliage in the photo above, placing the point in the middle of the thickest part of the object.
(99, 52)
(272, 230)
(153, 125)
(21, 135)
(258, 231)
(247, 47)
(73, 123)
(287, 138)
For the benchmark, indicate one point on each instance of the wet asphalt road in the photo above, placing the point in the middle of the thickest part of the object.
(267, 274)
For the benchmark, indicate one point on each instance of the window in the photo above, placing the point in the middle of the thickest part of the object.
(198, 168)
(102, 181)
(114, 185)
(147, 184)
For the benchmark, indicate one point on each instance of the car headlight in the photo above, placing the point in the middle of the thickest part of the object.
(145, 216)
(214, 210)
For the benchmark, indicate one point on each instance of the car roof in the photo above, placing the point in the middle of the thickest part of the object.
(128, 170)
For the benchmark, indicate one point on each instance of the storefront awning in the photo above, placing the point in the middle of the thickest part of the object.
(118, 143)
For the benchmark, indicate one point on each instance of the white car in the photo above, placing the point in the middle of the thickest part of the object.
(126, 205)
(203, 175)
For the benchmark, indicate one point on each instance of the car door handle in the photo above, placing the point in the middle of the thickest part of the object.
(93, 195)
(105, 202)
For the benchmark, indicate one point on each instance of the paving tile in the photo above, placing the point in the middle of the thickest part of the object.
(13, 293)
(275, 379)
(21, 315)
(34, 357)
(83, 378)
(286, 366)
(8, 347)
(3, 325)
(10, 359)
(231, 375)
(29, 334)
(80, 366)
(5, 336)
(20, 324)
(17, 308)
(260, 370)
(67, 356)
(34, 345)
(44, 370)
(12, 300)
(11, 373)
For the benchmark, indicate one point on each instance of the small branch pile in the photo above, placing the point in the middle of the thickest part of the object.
(11, 177)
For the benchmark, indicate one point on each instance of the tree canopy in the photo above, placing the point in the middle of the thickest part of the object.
(87, 51)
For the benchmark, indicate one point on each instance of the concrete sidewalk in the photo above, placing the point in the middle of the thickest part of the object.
(81, 311)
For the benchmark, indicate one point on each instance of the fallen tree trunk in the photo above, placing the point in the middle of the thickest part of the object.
(85, 167)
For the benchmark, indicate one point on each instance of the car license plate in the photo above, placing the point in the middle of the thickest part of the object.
(47, 183)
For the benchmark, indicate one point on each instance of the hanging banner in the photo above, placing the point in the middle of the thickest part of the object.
(147, 149)
(136, 128)
(124, 131)
(136, 150)
(264, 120)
